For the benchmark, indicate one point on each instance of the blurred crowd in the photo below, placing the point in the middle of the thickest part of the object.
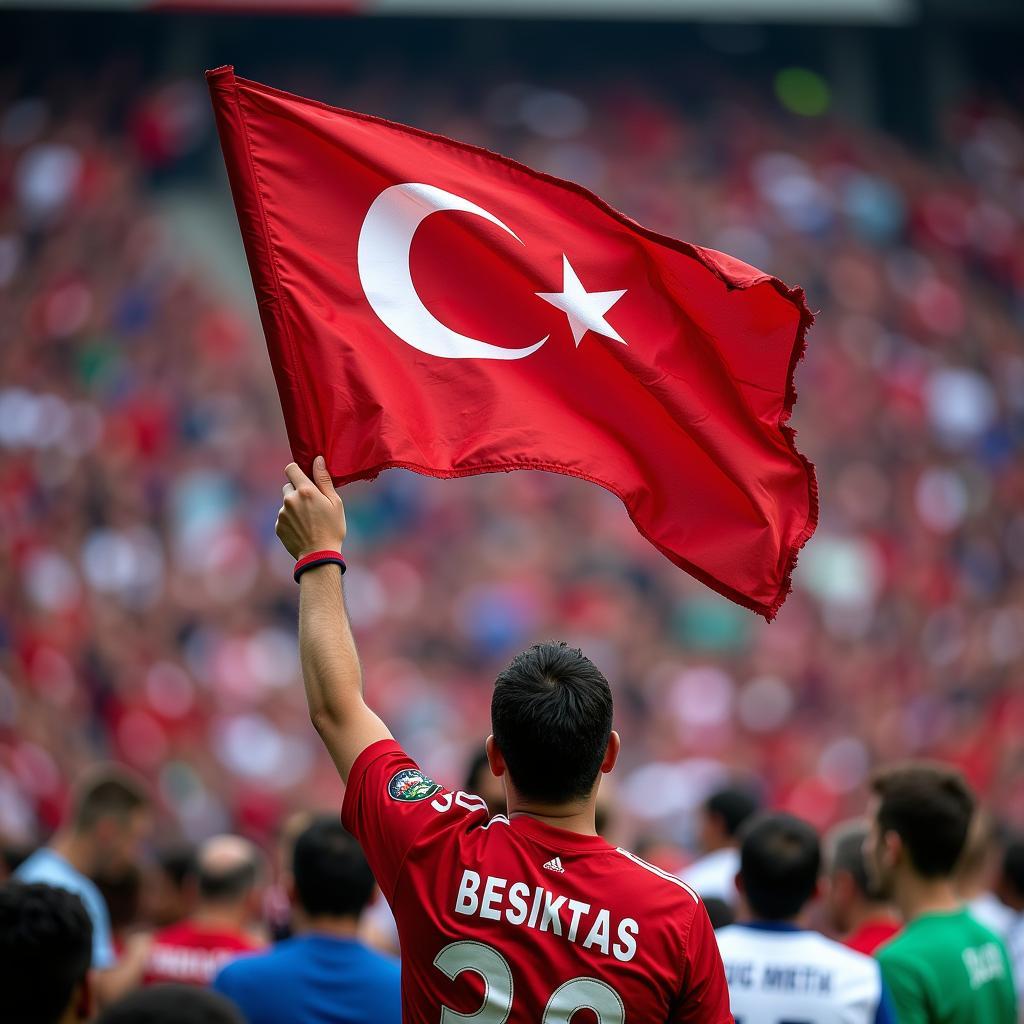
(147, 613)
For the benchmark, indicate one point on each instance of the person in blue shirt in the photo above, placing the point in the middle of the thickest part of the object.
(324, 974)
(777, 970)
(110, 817)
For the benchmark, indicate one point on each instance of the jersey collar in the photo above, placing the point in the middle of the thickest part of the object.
(554, 837)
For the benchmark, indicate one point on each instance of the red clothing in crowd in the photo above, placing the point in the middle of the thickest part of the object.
(871, 934)
(191, 954)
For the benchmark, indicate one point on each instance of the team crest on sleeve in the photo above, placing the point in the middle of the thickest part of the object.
(410, 785)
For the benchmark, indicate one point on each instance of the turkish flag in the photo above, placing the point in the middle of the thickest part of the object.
(430, 305)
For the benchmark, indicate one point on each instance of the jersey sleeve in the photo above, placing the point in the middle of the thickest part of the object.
(391, 805)
(906, 990)
(705, 995)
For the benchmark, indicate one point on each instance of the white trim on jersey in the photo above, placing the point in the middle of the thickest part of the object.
(497, 817)
(674, 879)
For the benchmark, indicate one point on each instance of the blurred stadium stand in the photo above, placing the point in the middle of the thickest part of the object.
(146, 611)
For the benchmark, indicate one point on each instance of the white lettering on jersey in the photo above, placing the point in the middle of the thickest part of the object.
(983, 963)
(599, 933)
(493, 899)
(493, 892)
(625, 948)
(467, 900)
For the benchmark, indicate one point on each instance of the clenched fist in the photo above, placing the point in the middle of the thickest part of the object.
(312, 517)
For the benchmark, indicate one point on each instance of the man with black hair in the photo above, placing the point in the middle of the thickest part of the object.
(230, 871)
(778, 970)
(172, 1004)
(171, 890)
(323, 974)
(944, 967)
(529, 915)
(722, 815)
(45, 951)
(855, 909)
(109, 817)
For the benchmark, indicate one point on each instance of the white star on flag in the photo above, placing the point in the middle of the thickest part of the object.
(585, 310)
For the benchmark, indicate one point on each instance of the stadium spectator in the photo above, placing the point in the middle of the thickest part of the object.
(552, 740)
(722, 816)
(323, 974)
(944, 967)
(1010, 889)
(172, 886)
(192, 951)
(171, 1004)
(976, 873)
(778, 970)
(45, 950)
(856, 912)
(108, 820)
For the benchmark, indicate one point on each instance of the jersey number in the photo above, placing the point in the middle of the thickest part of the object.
(578, 994)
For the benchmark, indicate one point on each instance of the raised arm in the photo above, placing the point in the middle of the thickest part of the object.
(312, 518)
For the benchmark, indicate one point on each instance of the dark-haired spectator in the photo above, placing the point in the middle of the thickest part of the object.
(109, 818)
(778, 970)
(944, 967)
(172, 887)
(722, 816)
(855, 909)
(192, 951)
(45, 951)
(172, 1004)
(324, 974)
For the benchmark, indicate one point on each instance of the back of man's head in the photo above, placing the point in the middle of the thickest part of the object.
(732, 807)
(930, 807)
(108, 792)
(332, 878)
(551, 714)
(845, 845)
(171, 1004)
(780, 858)
(45, 952)
(229, 868)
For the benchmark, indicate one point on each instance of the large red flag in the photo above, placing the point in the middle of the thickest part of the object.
(430, 305)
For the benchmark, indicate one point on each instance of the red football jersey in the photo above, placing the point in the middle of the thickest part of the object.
(191, 954)
(520, 922)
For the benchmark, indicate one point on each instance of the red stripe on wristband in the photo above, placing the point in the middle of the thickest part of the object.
(315, 558)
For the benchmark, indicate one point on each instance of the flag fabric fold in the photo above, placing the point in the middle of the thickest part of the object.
(433, 306)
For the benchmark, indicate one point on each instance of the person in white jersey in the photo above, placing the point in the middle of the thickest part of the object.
(779, 972)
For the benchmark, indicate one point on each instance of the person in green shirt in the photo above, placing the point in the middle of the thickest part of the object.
(944, 967)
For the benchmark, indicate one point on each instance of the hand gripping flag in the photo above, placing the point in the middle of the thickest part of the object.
(434, 306)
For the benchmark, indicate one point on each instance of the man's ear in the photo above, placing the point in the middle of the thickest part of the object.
(738, 882)
(893, 850)
(495, 760)
(611, 754)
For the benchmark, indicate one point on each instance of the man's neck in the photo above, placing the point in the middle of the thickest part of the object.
(221, 918)
(333, 927)
(915, 896)
(75, 849)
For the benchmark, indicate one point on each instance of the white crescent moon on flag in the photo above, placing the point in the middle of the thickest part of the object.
(384, 272)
